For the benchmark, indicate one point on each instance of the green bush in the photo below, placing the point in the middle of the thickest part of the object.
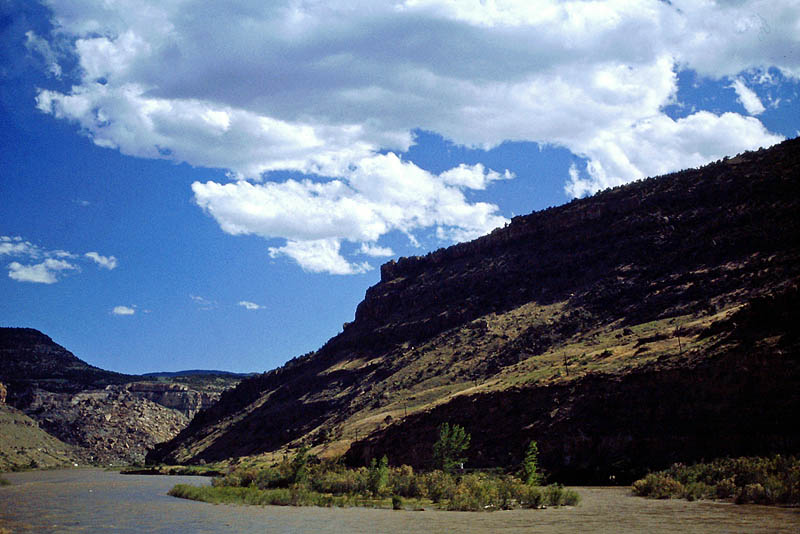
(657, 486)
(328, 483)
(762, 480)
(474, 492)
(438, 486)
(4, 482)
(553, 494)
(570, 498)
(404, 482)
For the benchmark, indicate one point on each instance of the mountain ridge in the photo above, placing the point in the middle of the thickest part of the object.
(627, 281)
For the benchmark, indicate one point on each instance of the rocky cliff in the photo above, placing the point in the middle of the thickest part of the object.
(593, 328)
(107, 417)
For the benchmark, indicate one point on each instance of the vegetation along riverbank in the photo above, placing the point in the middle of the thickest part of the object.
(305, 480)
(759, 480)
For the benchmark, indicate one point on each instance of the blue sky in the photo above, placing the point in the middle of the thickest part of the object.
(214, 185)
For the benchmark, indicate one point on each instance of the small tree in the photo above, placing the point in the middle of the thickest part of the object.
(378, 476)
(299, 465)
(448, 451)
(529, 471)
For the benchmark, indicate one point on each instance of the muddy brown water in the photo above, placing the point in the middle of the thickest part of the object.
(95, 501)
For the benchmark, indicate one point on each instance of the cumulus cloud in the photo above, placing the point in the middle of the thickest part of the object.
(319, 256)
(46, 272)
(15, 246)
(123, 310)
(49, 264)
(379, 194)
(334, 90)
(106, 262)
(747, 97)
(246, 304)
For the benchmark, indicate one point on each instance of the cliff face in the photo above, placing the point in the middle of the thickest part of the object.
(105, 417)
(572, 326)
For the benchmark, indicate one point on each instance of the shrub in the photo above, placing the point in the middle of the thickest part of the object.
(772, 480)
(299, 465)
(697, 490)
(531, 497)
(438, 486)
(657, 486)
(342, 482)
(403, 481)
(570, 498)
(476, 492)
(553, 494)
(397, 502)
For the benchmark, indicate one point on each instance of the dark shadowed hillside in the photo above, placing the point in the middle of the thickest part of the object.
(621, 331)
(30, 357)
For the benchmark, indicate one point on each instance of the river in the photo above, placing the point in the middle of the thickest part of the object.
(96, 501)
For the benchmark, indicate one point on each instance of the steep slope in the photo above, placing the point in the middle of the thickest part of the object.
(24, 445)
(521, 334)
(105, 417)
(30, 357)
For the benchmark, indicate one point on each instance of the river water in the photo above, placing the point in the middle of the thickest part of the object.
(95, 501)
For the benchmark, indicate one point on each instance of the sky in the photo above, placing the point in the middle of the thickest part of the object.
(214, 185)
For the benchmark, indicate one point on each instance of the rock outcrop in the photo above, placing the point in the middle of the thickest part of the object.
(108, 417)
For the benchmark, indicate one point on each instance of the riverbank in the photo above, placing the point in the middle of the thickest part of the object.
(305, 480)
(771, 480)
(93, 500)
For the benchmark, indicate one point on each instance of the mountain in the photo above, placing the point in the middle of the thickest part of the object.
(194, 372)
(100, 416)
(30, 356)
(649, 323)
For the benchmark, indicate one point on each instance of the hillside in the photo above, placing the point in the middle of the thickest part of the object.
(102, 417)
(31, 357)
(24, 445)
(621, 331)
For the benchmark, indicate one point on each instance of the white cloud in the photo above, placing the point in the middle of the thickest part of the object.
(42, 47)
(46, 272)
(203, 303)
(106, 262)
(246, 304)
(55, 261)
(319, 256)
(655, 144)
(335, 89)
(123, 310)
(380, 193)
(748, 98)
(15, 246)
(371, 249)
